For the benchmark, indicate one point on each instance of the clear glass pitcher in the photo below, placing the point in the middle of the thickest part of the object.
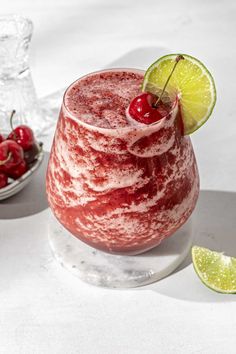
(16, 86)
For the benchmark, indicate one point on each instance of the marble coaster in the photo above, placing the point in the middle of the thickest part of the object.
(115, 271)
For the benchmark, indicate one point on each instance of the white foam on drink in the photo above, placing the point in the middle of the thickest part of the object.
(101, 99)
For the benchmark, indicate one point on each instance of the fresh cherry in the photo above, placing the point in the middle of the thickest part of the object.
(31, 155)
(1, 138)
(142, 108)
(22, 134)
(18, 170)
(3, 180)
(11, 154)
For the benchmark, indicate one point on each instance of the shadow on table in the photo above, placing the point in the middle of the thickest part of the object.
(214, 225)
(31, 200)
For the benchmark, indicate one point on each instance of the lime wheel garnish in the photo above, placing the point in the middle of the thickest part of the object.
(190, 81)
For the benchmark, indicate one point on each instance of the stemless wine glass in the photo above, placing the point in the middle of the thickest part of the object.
(121, 190)
(17, 90)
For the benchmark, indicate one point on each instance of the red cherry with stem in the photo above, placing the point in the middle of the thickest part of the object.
(11, 154)
(22, 134)
(142, 108)
(147, 108)
(18, 170)
(3, 180)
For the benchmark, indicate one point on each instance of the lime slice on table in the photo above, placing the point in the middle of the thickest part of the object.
(191, 82)
(215, 270)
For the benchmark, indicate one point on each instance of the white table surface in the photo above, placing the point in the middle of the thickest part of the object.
(43, 308)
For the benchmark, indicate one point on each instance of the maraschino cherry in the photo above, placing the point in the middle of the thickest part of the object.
(142, 108)
(22, 134)
(147, 108)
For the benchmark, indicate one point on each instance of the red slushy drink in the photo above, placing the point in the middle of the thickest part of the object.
(116, 184)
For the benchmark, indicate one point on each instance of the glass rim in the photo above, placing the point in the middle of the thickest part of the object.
(23, 32)
(139, 126)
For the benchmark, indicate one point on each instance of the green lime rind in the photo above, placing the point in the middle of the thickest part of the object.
(215, 270)
(191, 81)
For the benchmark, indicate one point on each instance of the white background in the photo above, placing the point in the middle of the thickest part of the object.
(43, 309)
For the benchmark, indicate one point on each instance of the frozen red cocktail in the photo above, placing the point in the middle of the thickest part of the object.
(119, 186)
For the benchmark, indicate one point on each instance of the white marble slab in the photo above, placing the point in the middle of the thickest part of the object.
(117, 271)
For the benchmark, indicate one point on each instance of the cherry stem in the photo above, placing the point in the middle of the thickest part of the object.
(11, 119)
(3, 162)
(177, 59)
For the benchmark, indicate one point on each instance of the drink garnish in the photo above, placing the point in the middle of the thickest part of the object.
(189, 81)
(216, 270)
